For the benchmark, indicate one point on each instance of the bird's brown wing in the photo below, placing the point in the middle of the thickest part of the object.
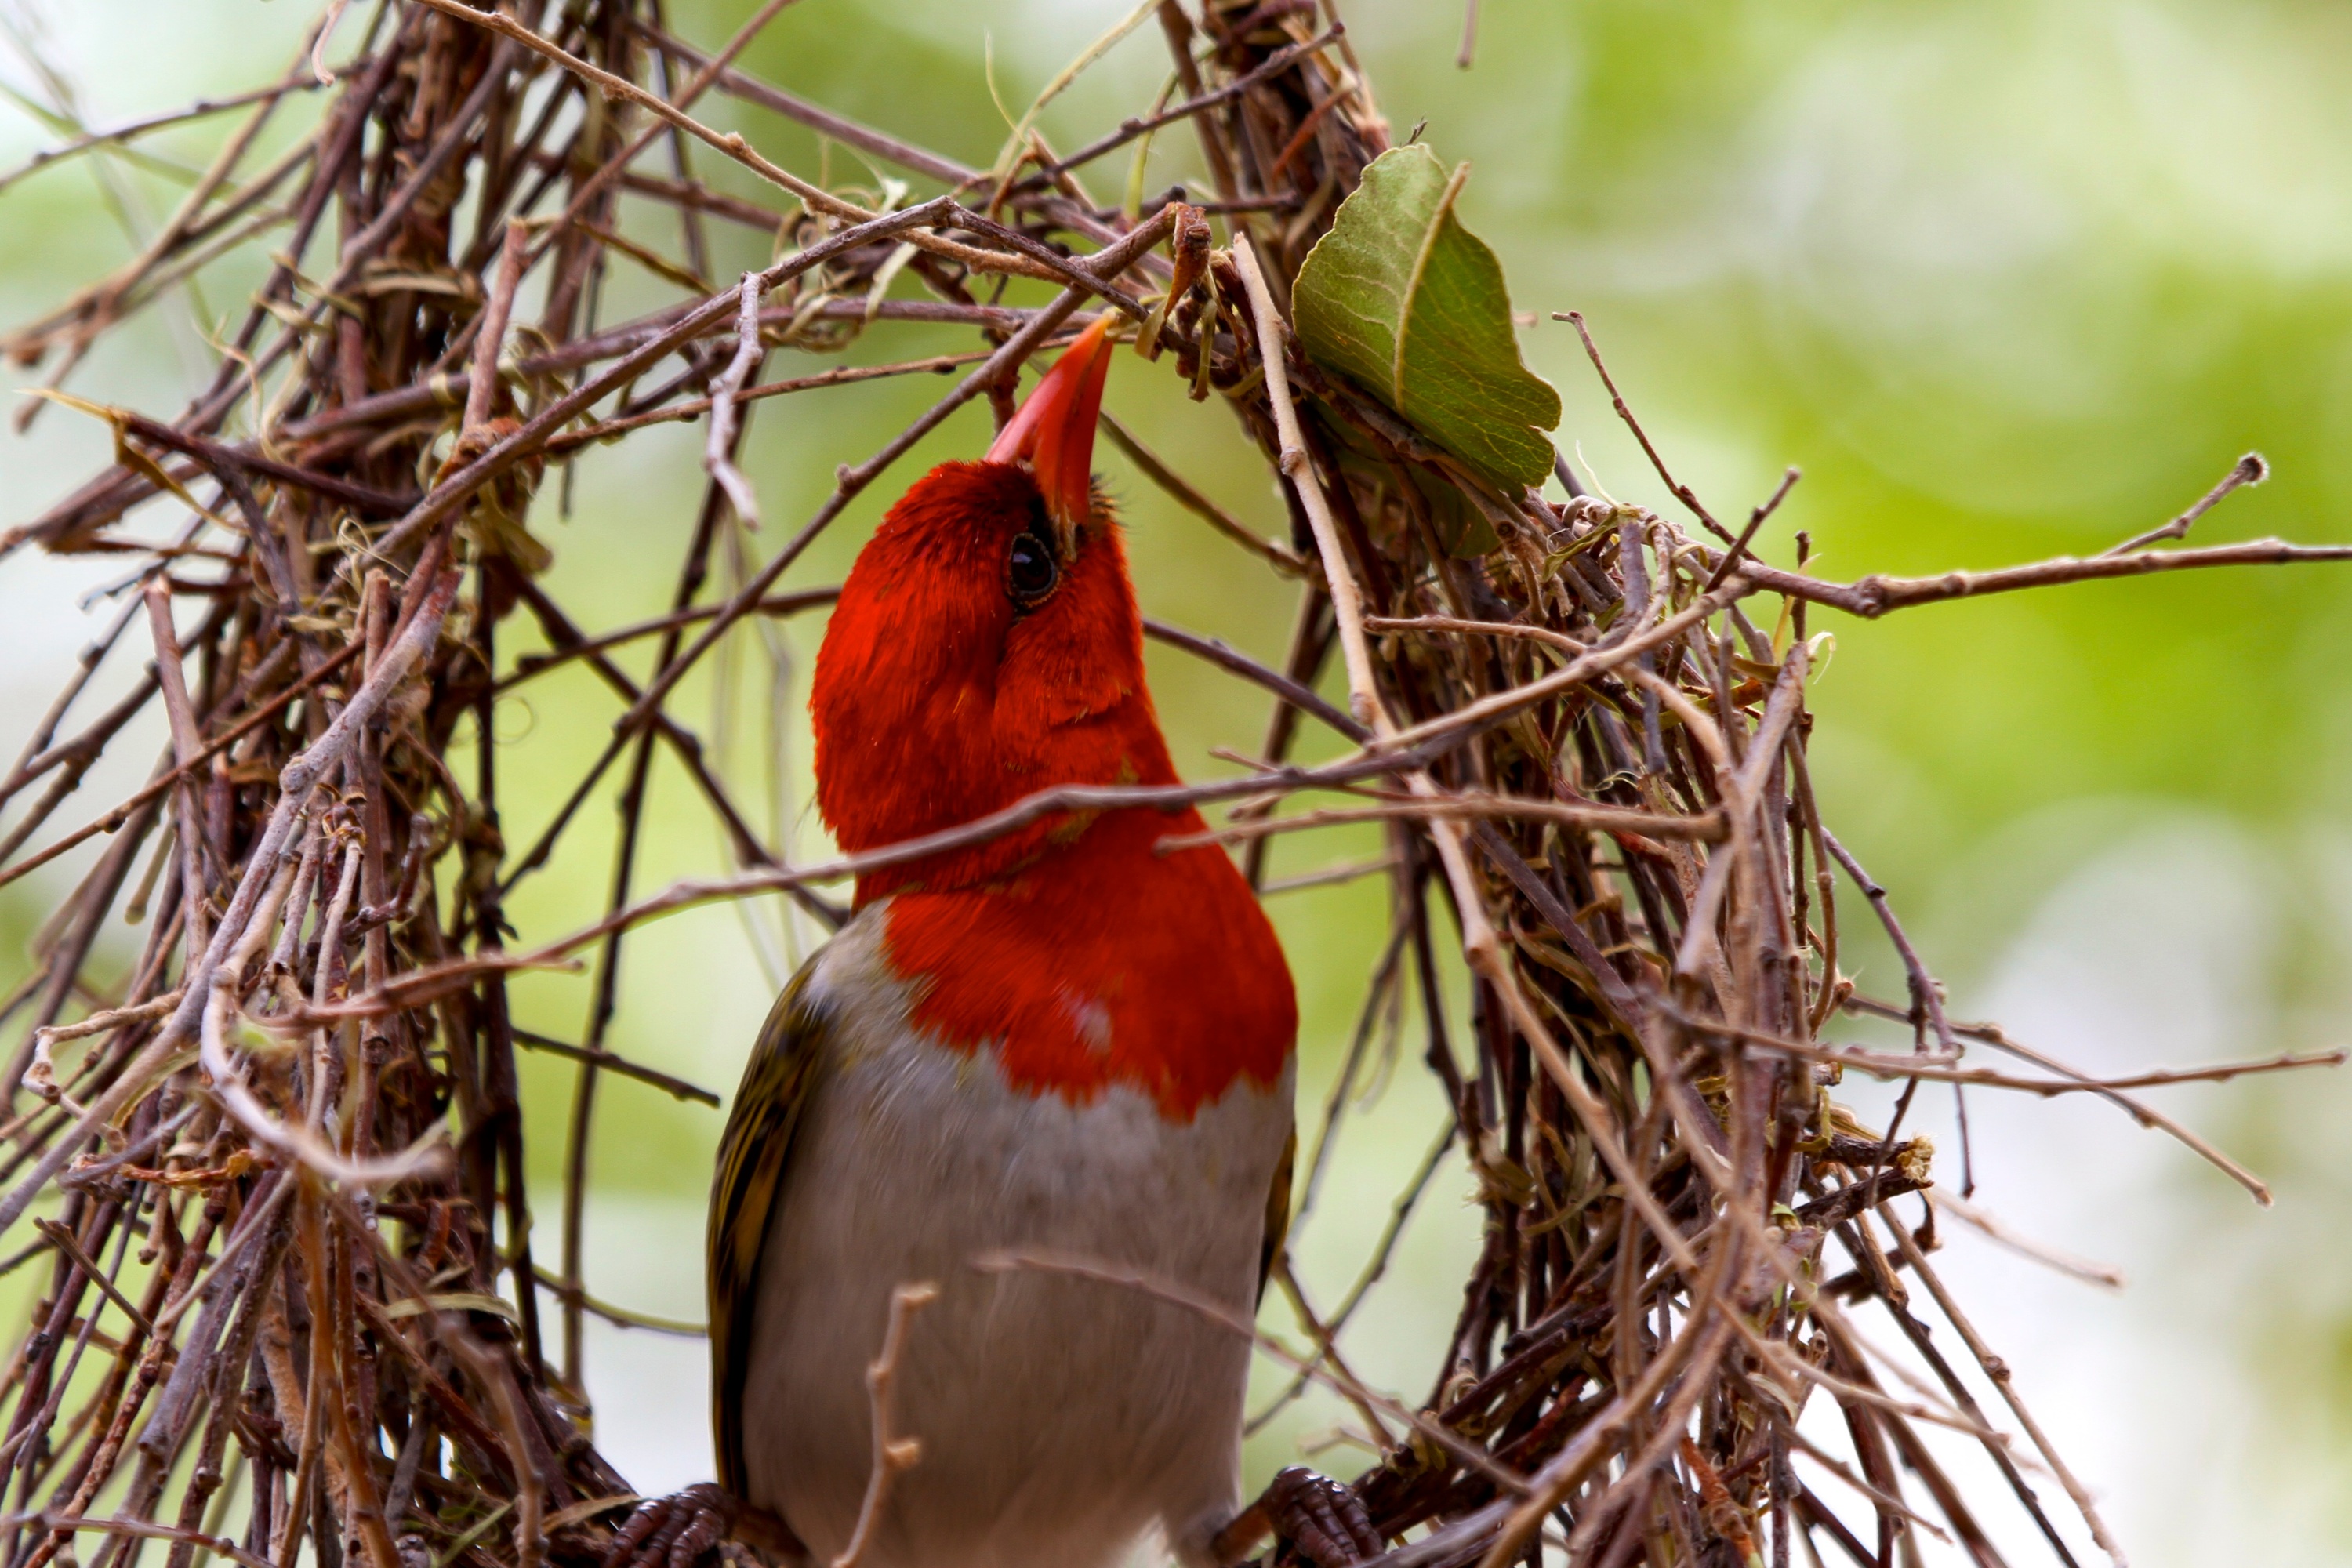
(775, 1089)
(1278, 1211)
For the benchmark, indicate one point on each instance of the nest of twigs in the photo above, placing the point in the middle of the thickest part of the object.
(276, 1173)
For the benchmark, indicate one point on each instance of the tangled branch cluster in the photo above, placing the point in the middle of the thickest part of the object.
(275, 1174)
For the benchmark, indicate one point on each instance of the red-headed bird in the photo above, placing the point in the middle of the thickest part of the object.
(1063, 1039)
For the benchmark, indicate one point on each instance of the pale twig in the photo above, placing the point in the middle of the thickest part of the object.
(295, 781)
(1732, 557)
(1467, 807)
(489, 341)
(850, 482)
(892, 1454)
(2250, 469)
(1543, 635)
(732, 143)
(1993, 1228)
(1275, 554)
(1488, 711)
(1999, 1371)
(720, 440)
(2138, 1110)
(1874, 595)
(1328, 877)
(1347, 599)
(1682, 492)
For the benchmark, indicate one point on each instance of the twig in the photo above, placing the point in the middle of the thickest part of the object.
(1991, 1226)
(2250, 469)
(1997, 1371)
(1347, 600)
(676, 1087)
(1682, 492)
(732, 144)
(719, 444)
(1732, 557)
(892, 1454)
(1280, 556)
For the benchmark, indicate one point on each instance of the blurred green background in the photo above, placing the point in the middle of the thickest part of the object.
(2006, 279)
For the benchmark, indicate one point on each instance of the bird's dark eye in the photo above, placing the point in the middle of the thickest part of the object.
(1031, 573)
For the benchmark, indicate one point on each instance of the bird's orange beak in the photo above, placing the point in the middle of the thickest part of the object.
(1055, 431)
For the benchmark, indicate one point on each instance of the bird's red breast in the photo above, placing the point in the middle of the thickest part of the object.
(948, 686)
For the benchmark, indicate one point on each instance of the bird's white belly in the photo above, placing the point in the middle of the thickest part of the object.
(1059, 1418)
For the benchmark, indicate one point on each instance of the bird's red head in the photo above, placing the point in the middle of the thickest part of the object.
(986, 645)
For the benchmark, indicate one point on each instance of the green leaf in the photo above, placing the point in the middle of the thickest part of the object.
(1408, 305)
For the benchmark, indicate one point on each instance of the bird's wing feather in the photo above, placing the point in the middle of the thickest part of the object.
(752, 1155)
(1278, 1211)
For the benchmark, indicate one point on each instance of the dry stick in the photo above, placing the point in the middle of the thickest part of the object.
(1274, 552)
(156, 785)
(1086, 798)
(892, 1454)
(1698, 1346)
(586, 192)
(1478, 939)
(880, 144)
(849, 482)
(2138, 1110)
(186, 741)
(132, 130)
(849, 133)
(689, 408)
(454, 491)
(440, 391)
(295, 781)
(1740, 802)
(677, 1088)
(1997, 1371)
(732, 144)
(490, 340)
(1377, 1265)
(1347, 598)
(1326, 1350)
(1927, 996)
(2250, 469)
(1993, 1228)
(1874, 595)
(1732, 557)
(1939, 1068)
(720, 441)
(1352, 871)
(40, 752)
(1274, 65)
(1487, 712)
(147, 1529)
(1682, 492)
(1467, 807)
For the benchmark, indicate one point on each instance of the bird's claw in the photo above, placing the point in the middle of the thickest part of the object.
(1314, 1519)
(674, 1531)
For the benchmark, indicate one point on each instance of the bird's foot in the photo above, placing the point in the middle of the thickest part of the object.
(675, 1532)
(1312, 1518)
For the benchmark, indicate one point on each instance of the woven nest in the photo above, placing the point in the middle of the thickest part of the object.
(273, 1176)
